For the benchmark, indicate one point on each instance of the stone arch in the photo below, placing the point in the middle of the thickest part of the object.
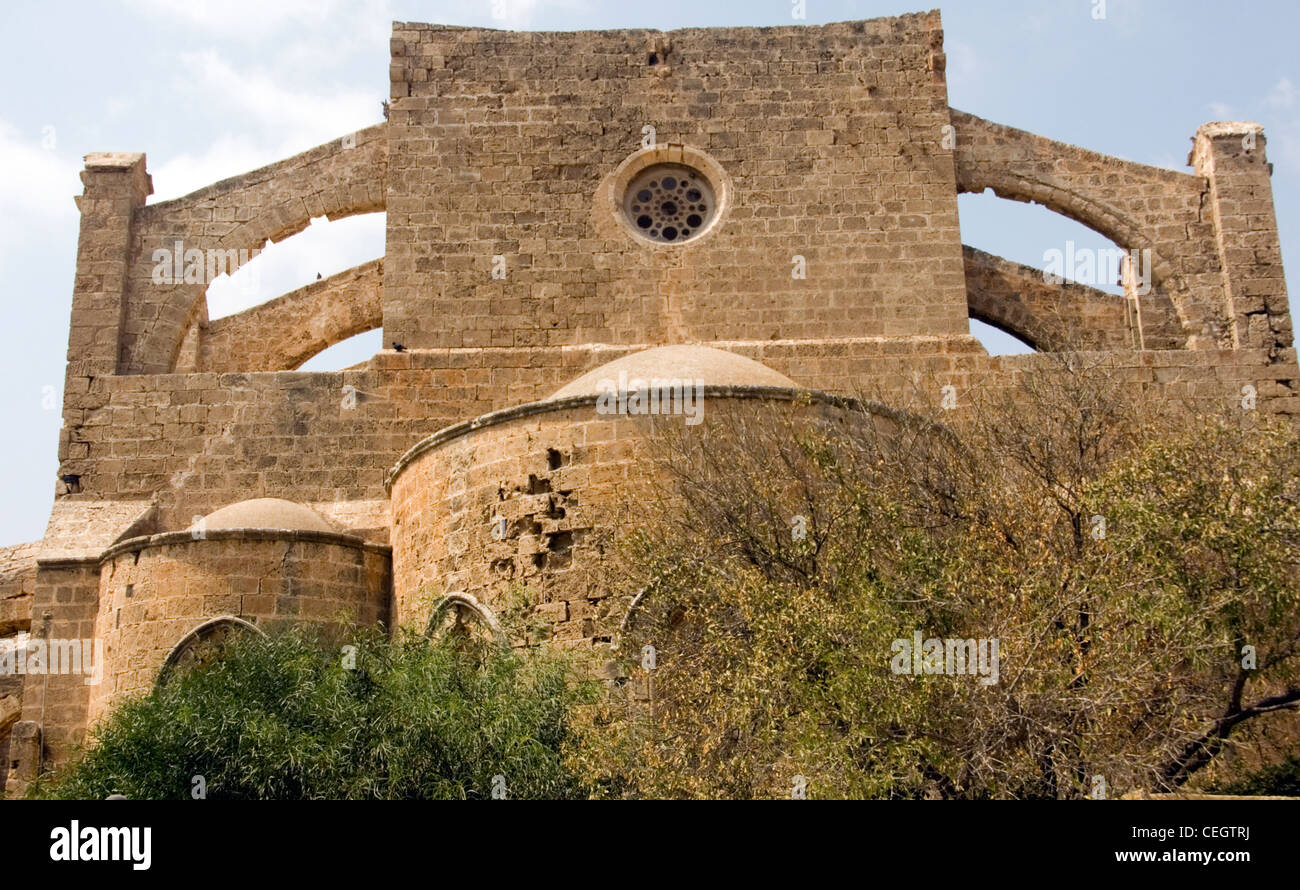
(462, 606)
(1051, 317)
(636, 605)
(1126, 202)
(281, 334)
(213, 633)
(1011, 327)
(351, 353)
(1096, 215)
(342, 178)
(634, 609)
(293, 215)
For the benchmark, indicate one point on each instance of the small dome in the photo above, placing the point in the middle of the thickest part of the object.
(697, 364)
(274, 513)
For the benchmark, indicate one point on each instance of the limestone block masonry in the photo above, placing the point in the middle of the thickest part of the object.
(205, 486)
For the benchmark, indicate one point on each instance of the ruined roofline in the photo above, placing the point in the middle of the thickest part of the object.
(325, 149)
(270, 171)
(1067, 149)
(929, 19)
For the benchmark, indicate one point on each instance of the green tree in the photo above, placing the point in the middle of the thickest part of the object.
(287, 718)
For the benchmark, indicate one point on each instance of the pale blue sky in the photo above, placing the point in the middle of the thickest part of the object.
(212, 88)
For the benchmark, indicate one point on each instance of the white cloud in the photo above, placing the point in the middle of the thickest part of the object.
(269, 118)
(271, 100)
(1283, 125)
(513, 13)
(517, 15)
(1284, 144)
(1170, 162)
(118, 106)
(228, 156)
(254, 20)
(41, 186)
(1221, 112)
(1283, 94)
(1288, 144)
(278, 105)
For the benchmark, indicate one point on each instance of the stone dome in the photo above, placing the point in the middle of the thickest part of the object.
(273, 513)
(698, 364)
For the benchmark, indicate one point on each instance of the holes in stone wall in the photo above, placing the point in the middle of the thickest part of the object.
(541, 534)
(560, 550)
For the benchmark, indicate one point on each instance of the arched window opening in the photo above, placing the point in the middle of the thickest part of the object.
(204, 645)
(998, 341)
(346, 353)
(1041, 239)
(462, 618)
(323, 249)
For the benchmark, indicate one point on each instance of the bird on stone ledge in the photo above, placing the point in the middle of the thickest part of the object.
(398, 347)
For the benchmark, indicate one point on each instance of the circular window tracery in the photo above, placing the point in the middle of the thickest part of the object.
(669, 203)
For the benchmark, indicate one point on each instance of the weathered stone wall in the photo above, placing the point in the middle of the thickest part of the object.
(154, 591)
(17, 586)
(557, 474)
(500, 141)
(1232, 159)
(199, 441)
(17, 590)
(54, 719)
(529, 499)
(547, 476)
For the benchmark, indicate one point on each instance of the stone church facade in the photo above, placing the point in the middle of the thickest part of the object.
(764, 215)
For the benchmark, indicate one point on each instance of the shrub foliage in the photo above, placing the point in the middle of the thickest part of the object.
(1138, 566)
(286, 717)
